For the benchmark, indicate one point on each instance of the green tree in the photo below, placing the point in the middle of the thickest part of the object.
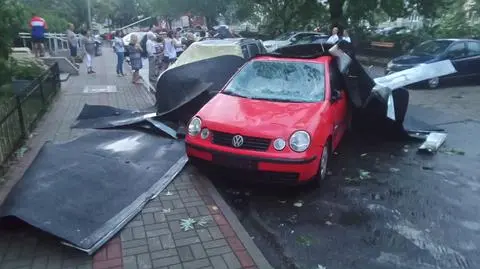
(12, 18)
(356, 10)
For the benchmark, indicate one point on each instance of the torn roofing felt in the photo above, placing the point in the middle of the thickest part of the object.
(382, 101)
(183, 90)
(108, 117)
(86, 190)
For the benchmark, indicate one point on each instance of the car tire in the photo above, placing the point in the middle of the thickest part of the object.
(433, 83)
(324, 160)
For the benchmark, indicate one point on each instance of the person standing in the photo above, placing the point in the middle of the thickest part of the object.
(135, 54)
(152, 55)
(89, 45)
(169, 51)
(178, 44)
(334, 37)
(72, 42)
(119, 48)
(39, 27)
(190, 40)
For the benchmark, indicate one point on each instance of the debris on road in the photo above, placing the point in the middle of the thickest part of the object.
(394, 170)
(321, 267)
(168, 193)
(166, 210)
(364, 154)
(298, 204)
(329, 223)
(433, 142)
(363, 174)
(454, 152)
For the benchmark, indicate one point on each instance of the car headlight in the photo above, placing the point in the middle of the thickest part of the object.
(279, 144)
(299, 141)
(195, 126)
(389, 64)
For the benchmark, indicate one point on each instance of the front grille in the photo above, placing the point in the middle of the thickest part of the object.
(250, 143)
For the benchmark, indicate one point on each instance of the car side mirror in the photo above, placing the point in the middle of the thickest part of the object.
(335, 96)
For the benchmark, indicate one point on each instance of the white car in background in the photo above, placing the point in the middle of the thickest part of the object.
(286, 39)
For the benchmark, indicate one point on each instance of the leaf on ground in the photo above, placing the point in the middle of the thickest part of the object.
(203, 221)
(187, 224)
(21, 151)
(305, 240)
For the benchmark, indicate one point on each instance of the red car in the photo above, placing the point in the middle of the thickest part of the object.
(278, 115)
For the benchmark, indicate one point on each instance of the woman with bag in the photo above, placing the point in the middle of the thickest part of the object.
(135, 52)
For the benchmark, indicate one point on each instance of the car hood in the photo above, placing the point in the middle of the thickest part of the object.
(259, 117)
(413, 59)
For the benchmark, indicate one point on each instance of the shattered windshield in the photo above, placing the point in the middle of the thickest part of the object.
(281, 81)
(433, 47)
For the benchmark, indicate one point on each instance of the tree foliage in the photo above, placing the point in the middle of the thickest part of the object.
(458, 23)
(11, 21)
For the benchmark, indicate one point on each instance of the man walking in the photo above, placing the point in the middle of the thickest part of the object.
(39, 27)
(72, 42)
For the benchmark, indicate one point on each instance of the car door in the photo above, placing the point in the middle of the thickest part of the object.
(338, 107)
(457, 53)
(473, 54)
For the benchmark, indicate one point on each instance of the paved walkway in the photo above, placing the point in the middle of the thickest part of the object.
(154, 238)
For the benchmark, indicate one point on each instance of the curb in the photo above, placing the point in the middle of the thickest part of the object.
(252, 249)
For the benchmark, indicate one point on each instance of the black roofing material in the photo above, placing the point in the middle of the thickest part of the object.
(108, 117)
(183, 90)
(86, 190)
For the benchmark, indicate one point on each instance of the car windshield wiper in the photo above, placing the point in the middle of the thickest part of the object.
(274, 99)
(234, 94)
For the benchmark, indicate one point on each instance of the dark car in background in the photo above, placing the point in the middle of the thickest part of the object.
(464, 54)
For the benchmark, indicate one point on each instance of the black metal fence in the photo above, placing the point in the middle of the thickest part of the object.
(20, 113)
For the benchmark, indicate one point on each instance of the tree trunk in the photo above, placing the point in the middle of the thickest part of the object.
(336, 11)
(210, 21)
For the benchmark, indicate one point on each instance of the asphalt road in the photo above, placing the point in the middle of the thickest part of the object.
(383, 206)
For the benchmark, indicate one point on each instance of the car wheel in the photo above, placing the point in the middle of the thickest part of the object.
(323, 167)
(433, 83)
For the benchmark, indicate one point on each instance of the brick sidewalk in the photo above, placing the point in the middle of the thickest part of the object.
(154, 238)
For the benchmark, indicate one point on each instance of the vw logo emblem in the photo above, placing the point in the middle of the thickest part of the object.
(237, 141)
